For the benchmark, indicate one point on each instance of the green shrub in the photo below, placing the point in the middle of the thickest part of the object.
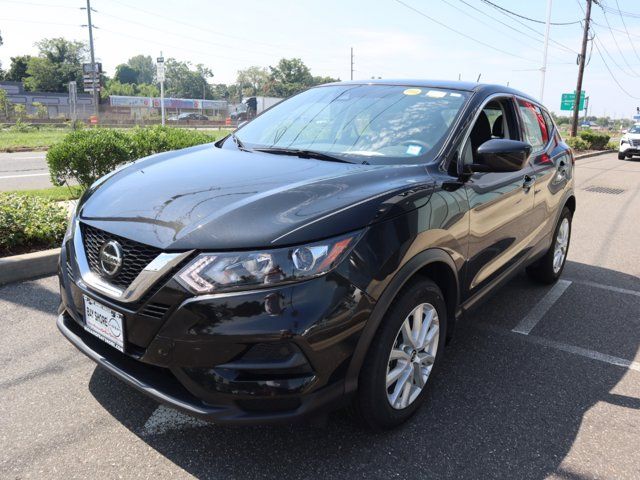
(612, 145)
(577, 143)
(30, 223)
(86, 155)
(596, 141)
(150, 140)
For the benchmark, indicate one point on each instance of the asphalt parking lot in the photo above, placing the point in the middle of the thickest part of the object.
(539, 382)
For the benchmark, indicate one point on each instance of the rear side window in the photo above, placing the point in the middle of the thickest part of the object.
(536, 131)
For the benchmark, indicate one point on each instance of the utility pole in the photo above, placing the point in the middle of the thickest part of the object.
(94, 73)
(351, 63)
(543, 70)
(160, 78)
(581, 63)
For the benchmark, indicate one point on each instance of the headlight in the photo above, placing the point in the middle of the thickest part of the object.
(71, 225)
(217, 272)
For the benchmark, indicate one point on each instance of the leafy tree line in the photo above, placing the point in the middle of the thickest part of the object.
(59, 61)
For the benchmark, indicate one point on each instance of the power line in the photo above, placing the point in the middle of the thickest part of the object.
(612, 75)
(528, 27)
(627, 31)
(525, 17)
(494, 19)
(207, 30)
(35, 4)
(621, 12)
(559, 46)
(469, 37)
(615, 41)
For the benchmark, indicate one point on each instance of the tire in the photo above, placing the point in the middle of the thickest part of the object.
(544, 270)
(373, 400)
(621, 156)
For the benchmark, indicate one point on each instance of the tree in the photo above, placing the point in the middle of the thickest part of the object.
(4, 103)
(289, 77)
(143, 64)
(183, 82)
(126, 74)
(18, 68)
(253, 80)
(59, 61)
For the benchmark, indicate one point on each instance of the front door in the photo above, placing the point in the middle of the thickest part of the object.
(500, 203)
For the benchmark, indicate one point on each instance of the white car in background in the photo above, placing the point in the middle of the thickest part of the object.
(630, 143)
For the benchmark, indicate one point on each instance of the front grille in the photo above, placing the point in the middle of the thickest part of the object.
(634, 142)
(135, 256)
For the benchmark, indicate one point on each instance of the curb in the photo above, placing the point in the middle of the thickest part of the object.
(28, 266)
(593, 154)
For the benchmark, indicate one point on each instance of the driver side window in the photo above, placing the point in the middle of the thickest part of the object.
(496, 120)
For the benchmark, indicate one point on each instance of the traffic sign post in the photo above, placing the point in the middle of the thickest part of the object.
(160, 76)
(568, 100)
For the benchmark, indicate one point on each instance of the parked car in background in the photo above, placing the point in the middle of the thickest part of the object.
(320, 255)
(630, 143)
(188, 116)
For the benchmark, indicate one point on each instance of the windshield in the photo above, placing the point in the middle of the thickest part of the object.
(373, 123)
(635, 129)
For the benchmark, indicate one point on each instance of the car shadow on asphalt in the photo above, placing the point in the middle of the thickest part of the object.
(31, 294)
(500, 407)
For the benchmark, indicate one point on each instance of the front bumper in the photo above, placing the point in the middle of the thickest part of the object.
(629, 149)
(247, 357)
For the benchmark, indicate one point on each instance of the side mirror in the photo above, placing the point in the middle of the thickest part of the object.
(625, 131)
(501, 155)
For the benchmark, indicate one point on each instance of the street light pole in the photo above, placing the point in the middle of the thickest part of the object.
(543, 70)
(581, 63)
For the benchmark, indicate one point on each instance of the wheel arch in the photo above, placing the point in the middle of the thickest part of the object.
(435, 264)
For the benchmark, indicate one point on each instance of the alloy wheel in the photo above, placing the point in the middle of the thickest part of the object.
(412, 356)
(561, 245)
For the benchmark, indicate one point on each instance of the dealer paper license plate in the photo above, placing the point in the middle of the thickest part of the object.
(104, 323)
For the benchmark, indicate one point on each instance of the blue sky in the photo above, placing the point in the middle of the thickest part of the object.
(389, 39)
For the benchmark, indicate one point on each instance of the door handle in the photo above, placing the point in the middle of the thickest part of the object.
(528, 182)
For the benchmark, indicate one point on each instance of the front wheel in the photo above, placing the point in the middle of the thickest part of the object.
(402, 357)
(621, 156)
(549, 268)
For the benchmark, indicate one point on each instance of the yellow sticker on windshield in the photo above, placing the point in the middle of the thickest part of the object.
(412, 91)
(436, 94)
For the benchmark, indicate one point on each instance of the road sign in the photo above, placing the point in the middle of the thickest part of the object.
(160, 69)
(86, 68)
(568, 99)
(636, 117)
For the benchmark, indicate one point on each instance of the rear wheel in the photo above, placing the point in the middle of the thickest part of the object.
(621, 156)
(403, 355)
(549, 268)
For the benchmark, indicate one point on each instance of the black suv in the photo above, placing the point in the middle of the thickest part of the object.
(320, 255)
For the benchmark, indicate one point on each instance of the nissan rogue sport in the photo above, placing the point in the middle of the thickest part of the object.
(322, 254)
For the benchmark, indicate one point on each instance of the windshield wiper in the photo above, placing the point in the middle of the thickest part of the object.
(302, 153)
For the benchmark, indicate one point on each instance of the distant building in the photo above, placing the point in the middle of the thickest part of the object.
(57, 103)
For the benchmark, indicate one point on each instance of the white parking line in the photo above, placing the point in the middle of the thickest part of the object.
(25, 175)
(608, 287)
(564, 347)
(537, 312)
(584, 352)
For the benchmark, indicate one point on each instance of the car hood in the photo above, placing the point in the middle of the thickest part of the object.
(634, 136)
(211, 198)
